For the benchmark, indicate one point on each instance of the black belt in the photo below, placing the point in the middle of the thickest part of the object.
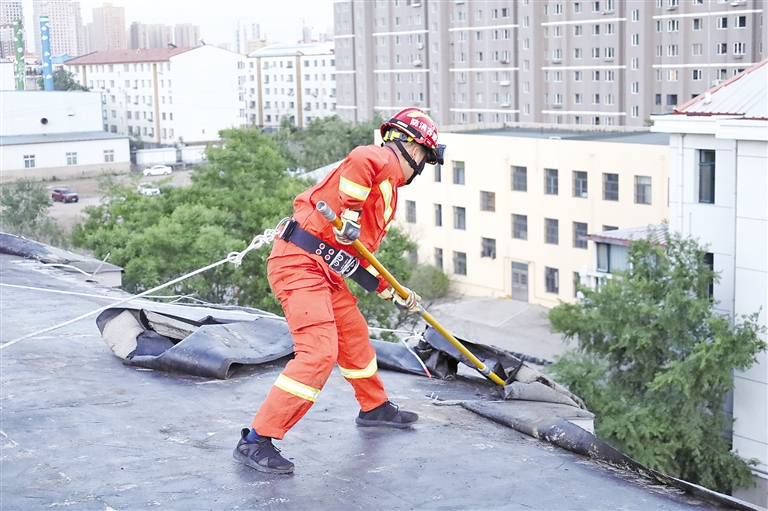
(337, 260)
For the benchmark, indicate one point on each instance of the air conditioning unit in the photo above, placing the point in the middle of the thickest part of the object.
(505, 105)
(420, 46)
(672, 8)
(505, 61)
(504, 83)
(417, 63)
(739, 2)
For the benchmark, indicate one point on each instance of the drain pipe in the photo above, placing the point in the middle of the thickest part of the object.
(680, 183)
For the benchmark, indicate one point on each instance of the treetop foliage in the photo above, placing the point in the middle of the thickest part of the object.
(654, 362)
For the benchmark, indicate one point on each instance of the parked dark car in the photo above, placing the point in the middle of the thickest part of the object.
(64, 195)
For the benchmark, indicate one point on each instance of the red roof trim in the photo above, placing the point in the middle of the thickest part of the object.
(128, 56)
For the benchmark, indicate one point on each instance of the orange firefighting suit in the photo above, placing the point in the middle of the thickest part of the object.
(321, 312)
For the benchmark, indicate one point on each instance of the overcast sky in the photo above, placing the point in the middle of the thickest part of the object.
(279, 20)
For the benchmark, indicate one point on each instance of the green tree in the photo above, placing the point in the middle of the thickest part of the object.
(654, 362)
(25, 204)
(63, 80)
(242, 190)
(330, 139)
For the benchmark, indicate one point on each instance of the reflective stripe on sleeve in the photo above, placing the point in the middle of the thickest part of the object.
(353, 189)
(291, 386)
(386, 192)
(369, 371)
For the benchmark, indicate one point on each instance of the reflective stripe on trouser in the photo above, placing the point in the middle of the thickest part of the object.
(327, 327)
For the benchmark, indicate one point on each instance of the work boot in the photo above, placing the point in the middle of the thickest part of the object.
(387, 415)
(261, 455)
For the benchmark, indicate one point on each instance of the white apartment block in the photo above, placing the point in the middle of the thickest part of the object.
(167, 95)
(718, 193)
(509, 212)
(57, 133)
(603, 62)
(296, 82)
(66, 26)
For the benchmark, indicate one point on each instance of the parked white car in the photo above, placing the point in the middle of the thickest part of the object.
(149, 189)
(158, 170)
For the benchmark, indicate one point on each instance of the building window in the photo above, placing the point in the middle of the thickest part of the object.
(551, 229)
(642, 189)
(458, 172)
(519, 179)
(438, 173)
(707, 176)
(740, 22)
(611, 187)
(410, 211)
(520, 227)
(109, 155)
(487, 201)
(671, 99)
(550, 183)
(580, 235)
(459, 218)
(580, 184)
(709, 262)
(552, 280)
(29, 161)
(460, 263)
(71, 158)
(439, 257)
(697, 74)
(438, 215)
(722, 22)
(488, 248)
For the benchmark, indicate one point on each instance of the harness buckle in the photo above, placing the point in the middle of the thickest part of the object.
(344, 264)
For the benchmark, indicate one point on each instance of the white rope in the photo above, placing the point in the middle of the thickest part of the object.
(235, 258)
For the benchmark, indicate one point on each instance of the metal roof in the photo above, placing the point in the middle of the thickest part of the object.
(128, 56)
(290, 50)
(59, 137)
(626, 236)
(745, 95)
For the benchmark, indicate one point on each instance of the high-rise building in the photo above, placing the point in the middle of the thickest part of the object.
(186, 35)
(9, 12)
(108, 31)
(243, 33)
(66, 26)
(155, 35)
(605, 62)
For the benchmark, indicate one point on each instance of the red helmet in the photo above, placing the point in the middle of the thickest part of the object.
(418, 127)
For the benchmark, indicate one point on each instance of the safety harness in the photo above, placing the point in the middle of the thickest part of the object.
(337, 260)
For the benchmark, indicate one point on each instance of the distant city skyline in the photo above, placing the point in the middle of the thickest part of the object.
(279, 21)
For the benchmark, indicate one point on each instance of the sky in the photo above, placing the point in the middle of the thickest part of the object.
(279, 20)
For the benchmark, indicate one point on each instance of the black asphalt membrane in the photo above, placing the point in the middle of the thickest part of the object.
(81, 429)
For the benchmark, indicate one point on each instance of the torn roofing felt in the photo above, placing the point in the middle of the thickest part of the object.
(208, 347)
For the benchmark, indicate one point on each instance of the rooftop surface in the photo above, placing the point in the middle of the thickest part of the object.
(289, 50)
(127, 56)
(624, 137)
(82, 430)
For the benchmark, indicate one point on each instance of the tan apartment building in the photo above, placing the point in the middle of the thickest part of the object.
(509, 212)
(604, 62)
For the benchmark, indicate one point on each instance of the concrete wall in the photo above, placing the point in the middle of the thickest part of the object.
(736, 229)
(45, 113)
(51, 159)
(166, 155)
(7, 81)
(488, 161)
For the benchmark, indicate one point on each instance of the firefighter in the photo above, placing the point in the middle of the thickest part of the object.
(306, 271)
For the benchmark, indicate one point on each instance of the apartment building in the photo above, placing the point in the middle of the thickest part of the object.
(10, 11)
(66, 26)
(296, 82)
(186, 35)
(107, 31)
(167, 95)
(718, 194)
(605, 62)
(509, 212)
